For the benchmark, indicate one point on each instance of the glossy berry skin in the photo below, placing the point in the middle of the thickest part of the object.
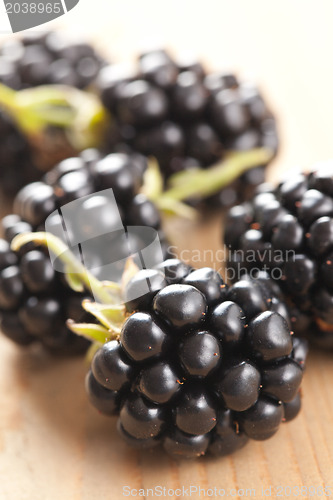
(31, 288)
(195, 412)
(182, 445)
(249, 297)
(282, 380)
(140, 419)
(172, 109)
(227, 438)
(41, 316)
(159, 382)
(299, 243)
(189, 96)
(143, 212)
(228, 322)
(104, 400)
(205, 376)
(116, 171)
(262, 420)
(204, 144)
(269, 337)
(239, 385)
(11, 288)
(142, 338)
(37, 272)
(209, 282)
(200, 353)
(7, 257)
(37, 200)
(181, 306)
(110, 367)
(292, 408)
(141, 104)
(158, 68)
(174, 270)
(140, 444)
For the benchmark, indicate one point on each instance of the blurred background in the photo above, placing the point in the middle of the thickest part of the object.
(285, 47)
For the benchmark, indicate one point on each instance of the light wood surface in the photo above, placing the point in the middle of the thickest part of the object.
(53, 445)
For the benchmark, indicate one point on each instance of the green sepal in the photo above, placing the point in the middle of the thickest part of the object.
(177, 208)
(80, 114)
(153, 183)
(129, 272)
(110, 316)
(91, 331)
(74, 281)
(114, 291)
(201, 183)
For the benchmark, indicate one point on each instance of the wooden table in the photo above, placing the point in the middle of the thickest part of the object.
(53, 445)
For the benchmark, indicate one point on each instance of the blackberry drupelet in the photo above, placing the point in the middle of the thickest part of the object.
(37, 59)
(36, 300)
(199, 366)
(48, 57)
(187, 117)
(288, 231)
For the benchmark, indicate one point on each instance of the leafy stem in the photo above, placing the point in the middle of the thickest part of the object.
(80, 114)
(56, 246)
(198, 182)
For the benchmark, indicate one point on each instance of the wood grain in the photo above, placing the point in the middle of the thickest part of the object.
(53, 445)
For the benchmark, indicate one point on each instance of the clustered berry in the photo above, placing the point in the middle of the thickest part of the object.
(35, 300)
(199, 366)
(288, 230)
(37, 59)
(47, 58)
(186, 117)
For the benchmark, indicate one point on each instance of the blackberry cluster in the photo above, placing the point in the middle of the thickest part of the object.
(186, 118)
(37, 59)
(35, 300)
(288, 231)
(199, 366)
(47, 58)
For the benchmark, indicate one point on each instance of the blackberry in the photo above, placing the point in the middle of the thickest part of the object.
(36, 300)
(199, 366)
(185, 117)
(288, 231)
(48, 57)
(39, 59)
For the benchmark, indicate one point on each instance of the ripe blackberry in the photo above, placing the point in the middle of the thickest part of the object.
(185, 117)
(36, 300)
(199, 366)
(48, 57)
(38, 59)
(288, 231)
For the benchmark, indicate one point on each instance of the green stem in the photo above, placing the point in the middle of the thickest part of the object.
(209, 181)
(81, 114)
(60, 249)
